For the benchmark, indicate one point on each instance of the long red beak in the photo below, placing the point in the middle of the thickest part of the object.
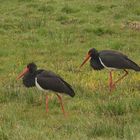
(23, 73)
(86, 59)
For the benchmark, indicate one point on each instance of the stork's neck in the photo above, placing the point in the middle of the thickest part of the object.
(95, 61)
(29, 79)
(95, 55)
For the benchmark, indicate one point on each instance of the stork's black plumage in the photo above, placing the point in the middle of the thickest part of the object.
(45, 80)
(111, 60)
(50, 81)
(117, 60)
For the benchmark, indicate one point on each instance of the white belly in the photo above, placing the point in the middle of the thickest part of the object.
(38, 86)
(110, 68)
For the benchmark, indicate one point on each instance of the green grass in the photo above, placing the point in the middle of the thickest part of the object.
(56, 35)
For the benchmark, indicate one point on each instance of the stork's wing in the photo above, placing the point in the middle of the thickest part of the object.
(50, 81)
(117, 60)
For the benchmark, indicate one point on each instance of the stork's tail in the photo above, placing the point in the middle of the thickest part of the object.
(69, 89)
(138, 69)
(133, 65)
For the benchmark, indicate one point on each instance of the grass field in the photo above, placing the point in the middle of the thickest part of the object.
(56, 35)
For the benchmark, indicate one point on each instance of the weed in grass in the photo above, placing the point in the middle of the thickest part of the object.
(101, 31)
(99, 8)
(68, 10)
(46, 8)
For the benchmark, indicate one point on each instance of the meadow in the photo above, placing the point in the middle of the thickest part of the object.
(56, 35)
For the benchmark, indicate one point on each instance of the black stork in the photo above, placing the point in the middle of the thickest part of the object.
(111, 60)
(44, 81)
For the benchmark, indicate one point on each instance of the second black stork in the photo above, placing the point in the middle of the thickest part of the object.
(111, 60)
(44, 81)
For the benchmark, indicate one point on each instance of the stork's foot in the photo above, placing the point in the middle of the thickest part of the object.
(47, 100)
(61, 103)
(47, 110)
(65, 114)
(112, 87)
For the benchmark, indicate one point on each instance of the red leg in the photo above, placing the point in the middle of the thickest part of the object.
(60, 100)
(110, 80)
(47, 99)
(126, 72)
